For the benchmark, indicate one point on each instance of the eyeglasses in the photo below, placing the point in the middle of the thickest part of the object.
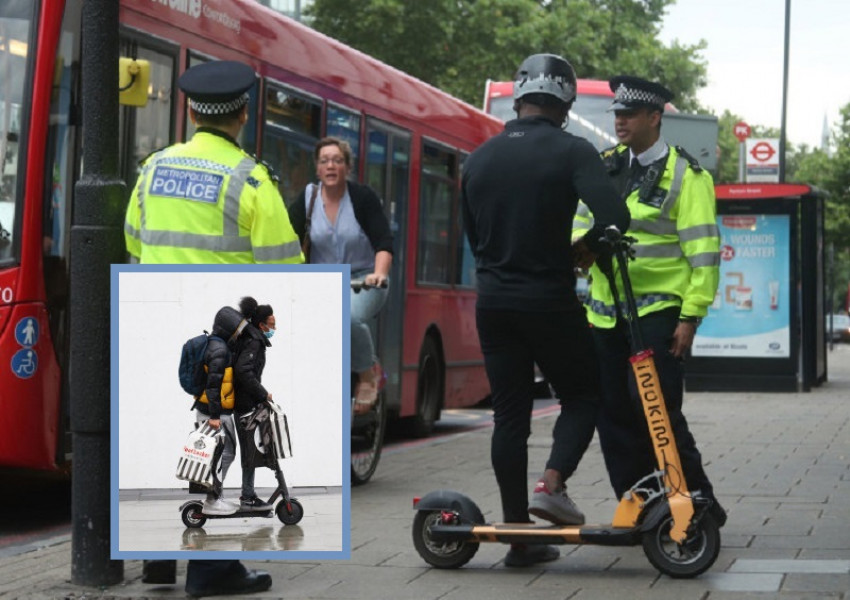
(337, 160)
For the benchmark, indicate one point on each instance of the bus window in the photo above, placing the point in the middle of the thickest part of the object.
(465, 275)
(15, 20)
(345, 125)
(290, 133)
(388, 173)
(144, 129)
(248, 135)
(437, 193)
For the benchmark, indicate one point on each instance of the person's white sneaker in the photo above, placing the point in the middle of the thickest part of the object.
(219, 506)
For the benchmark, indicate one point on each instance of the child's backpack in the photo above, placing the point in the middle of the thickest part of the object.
(193, 377)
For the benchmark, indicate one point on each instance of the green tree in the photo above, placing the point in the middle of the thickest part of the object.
(457, 44)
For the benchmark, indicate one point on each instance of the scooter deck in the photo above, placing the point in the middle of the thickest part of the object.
(534, 533)
(242, 513)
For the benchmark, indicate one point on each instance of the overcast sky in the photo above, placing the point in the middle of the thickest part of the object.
(745, 59)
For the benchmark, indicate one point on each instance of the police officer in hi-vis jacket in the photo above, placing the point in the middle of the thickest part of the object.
(207, 200)
(674, 275)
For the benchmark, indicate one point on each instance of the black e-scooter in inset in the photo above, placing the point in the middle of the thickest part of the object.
(268, 443)
(678, 534)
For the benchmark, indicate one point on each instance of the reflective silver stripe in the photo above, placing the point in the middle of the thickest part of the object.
(675, 187)
(131, 231)
(706, 259)
(696, 232)
(583, 210)
(660, 227)
(657, 251)
(234, 193)
(143, 184)
(198, 241)
(280, 252)
(608, 310)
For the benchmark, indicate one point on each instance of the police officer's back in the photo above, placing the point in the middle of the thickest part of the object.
(207, 200)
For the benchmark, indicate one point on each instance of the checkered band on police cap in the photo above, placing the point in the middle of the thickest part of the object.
(218, 108)
(627, 95)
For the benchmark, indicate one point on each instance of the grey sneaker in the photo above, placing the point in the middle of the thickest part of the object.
(555, 507)
(219, 506)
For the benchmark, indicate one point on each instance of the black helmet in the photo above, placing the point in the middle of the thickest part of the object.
(547, 74)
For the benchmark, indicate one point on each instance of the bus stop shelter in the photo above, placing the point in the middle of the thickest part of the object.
(765, 329)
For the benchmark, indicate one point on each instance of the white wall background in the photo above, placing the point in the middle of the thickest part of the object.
(159, 311)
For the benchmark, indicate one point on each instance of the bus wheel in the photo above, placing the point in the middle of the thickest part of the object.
(429, 390)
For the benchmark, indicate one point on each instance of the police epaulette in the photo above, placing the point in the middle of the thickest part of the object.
(269, 169)
(694, 163)
(612, 158)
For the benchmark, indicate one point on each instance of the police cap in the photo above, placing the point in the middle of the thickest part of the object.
(218, 87)
(634, 92)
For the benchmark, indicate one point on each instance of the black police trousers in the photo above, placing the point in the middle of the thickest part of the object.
(623, 432)
(561, 345)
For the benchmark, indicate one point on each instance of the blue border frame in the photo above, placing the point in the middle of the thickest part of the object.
(345, 553)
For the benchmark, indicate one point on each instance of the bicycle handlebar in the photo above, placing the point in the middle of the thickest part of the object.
(360, 284)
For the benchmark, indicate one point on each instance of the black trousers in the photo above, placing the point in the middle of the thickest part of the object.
(623, 432)
(206, 573)
(561, 345)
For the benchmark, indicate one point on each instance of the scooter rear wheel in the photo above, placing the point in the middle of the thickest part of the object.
(443, 555)
(290, 518)
(686, 560)
(191, 515)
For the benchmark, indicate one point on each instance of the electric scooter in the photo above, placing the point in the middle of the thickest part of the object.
(288, 510)
(367, 429)
(678, 534)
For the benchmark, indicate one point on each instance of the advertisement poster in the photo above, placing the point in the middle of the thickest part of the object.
(750, 316)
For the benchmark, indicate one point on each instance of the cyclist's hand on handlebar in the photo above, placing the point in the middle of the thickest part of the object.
(375, 280)
(269, 397)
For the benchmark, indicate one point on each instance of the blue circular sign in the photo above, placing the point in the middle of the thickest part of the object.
(26, 332)
(24, 363)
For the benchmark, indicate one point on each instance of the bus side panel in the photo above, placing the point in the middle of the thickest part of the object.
(29, 400)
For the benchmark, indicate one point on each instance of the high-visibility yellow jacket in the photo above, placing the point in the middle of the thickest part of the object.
(677, 257)
(208, 201)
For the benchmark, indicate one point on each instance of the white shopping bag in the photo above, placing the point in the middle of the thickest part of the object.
(282, 443)
(198, 455)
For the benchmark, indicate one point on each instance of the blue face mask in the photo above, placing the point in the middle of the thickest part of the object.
(269, 333)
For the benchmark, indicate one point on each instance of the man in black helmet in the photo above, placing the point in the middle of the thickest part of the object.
(520, 191)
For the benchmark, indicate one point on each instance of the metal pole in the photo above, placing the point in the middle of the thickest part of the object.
(96, 241)
(784, 92)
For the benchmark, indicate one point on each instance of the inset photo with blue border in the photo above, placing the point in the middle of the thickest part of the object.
(169, 464)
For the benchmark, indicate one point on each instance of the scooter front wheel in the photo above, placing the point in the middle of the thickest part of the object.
(443, 555)
(693, 557)
(192, 515)
(290, 517)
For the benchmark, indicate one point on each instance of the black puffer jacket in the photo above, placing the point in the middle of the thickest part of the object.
(248, 365)
(217, 360)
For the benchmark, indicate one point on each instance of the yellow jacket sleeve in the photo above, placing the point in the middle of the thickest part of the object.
(699, 239)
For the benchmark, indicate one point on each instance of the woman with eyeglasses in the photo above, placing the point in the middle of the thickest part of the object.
(346, 224)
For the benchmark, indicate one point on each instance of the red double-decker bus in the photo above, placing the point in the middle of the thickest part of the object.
(409, 141)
